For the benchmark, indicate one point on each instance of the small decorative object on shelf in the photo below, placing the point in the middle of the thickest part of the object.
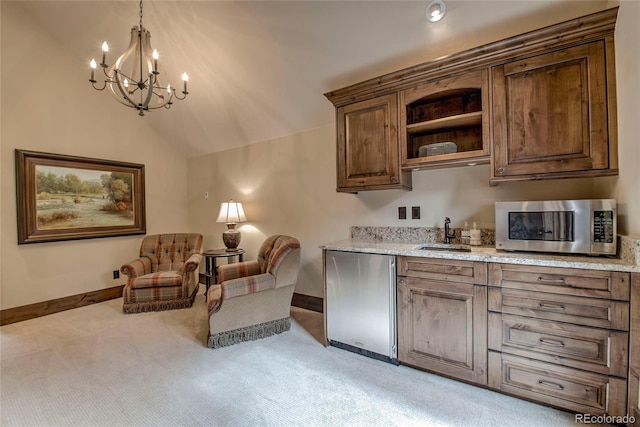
(465, 234)
(476, 236)
(231, 213)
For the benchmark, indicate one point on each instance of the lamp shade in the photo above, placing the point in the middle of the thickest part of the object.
(231, 213)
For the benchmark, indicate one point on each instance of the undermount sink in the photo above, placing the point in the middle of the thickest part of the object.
(443, 247)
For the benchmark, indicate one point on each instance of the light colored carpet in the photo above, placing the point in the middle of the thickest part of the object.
(95, 366)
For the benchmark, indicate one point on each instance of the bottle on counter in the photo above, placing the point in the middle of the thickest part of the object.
(465, 234)
(475, 236)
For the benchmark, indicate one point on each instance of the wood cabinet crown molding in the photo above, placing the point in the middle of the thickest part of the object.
(573, 32)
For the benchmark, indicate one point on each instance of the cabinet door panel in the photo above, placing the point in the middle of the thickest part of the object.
(546, 113)
(550, 115)
(368, 145)
(442, 327)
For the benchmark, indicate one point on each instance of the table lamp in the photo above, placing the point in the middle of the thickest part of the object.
(231, 213)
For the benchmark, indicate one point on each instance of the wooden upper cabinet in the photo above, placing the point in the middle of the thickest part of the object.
(554, 115)
(446, 122)
(536, 105)
(368, 153)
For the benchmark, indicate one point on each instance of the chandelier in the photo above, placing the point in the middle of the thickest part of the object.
(140, 88)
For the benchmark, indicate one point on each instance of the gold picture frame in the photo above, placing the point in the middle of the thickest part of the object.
(61, 197)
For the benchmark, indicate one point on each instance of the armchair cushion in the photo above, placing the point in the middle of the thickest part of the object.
(161, 278)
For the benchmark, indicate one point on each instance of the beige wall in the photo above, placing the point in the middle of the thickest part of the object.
(48, 105)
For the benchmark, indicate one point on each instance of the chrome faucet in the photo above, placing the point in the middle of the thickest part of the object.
(448, 235)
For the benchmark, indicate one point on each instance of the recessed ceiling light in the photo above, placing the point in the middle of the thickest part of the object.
(435, 10)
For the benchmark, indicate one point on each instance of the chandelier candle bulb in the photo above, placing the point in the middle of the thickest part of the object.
(93, 66)
(105, 49)
(155, 61)
(185, 78)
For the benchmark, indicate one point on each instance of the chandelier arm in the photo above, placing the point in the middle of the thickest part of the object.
(93, 83)
(177, 97)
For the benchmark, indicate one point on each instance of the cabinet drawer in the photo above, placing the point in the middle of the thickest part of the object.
(597, 350)
(568, 281)
(443, 269)
(559, 386)
(578, 310)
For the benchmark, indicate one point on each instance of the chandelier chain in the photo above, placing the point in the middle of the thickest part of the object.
(140, 13)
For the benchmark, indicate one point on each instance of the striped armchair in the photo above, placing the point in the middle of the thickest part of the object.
(252, 299)
(165, 277)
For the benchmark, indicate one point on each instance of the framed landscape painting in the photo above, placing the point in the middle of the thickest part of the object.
(63, 197)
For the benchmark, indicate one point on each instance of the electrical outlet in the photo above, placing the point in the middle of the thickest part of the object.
(402, 212)
(116, 274)
(415, 212)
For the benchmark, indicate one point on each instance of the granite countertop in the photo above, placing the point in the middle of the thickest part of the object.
(485, 254)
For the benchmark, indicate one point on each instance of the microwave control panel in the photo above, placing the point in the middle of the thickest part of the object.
(603, 226)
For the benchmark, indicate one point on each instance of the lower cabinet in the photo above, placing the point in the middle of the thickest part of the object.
(557, 336)
(442, 317)
(560, 336)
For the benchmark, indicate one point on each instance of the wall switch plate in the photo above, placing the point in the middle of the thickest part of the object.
(415, 212)
(116, 274)
(402, 212)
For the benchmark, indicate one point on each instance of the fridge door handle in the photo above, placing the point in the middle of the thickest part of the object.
(392, 307)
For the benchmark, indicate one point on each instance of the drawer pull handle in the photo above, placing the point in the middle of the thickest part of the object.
(549, 280)
(551, 306)
(551, 342)
(549, 384)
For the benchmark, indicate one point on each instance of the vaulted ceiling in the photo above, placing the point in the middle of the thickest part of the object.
(258, 69)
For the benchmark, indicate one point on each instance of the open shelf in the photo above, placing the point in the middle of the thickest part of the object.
(459, 120)
(444, 123)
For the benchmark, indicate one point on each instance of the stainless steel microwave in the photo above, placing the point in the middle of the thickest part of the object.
(564, 226)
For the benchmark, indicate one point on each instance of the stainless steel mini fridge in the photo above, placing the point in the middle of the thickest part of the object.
(361, 303)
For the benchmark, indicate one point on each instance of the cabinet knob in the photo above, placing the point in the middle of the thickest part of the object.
(500, 171)
(394, 179)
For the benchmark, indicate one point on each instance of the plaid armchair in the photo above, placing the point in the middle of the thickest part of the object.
(252, 299)
(165, 277)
